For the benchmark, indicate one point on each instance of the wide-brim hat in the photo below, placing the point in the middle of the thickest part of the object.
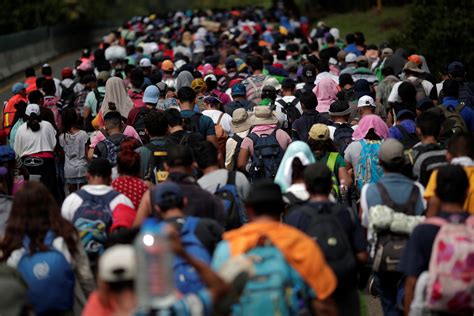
(263, 115)
(413, 67)
(241, 120)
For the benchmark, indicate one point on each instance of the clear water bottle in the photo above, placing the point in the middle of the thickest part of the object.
(343, 191)
(154, 285)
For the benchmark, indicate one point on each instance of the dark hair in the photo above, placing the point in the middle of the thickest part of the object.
(39, 82)
(407, 93)
(372, 135)
(70, 119)
(297, 169)
(322, 66)
(33, 122)
(180, 156)
(330, 39)
(156, 76)
(113, 119)
(460, 145)
(20, 112)
(288, 85)
(308, 100)
(173, 117)
(317, 178)
(206, 155)
(267, 57)
(211, 84)
(35, 212)
(156, 123)
(30, 72)
(323, 146)
(137, 77)
(35, 96)
(388, 71)
(119, 287)
(49, 87)
(169, 201)
(350, 38)
(429, 124)
(314, 46)
(100, 167)
(186, 94)
(394, 167)
(128, 160)
(255, 62)
(47, 71)
(452, 184)
(451, 88)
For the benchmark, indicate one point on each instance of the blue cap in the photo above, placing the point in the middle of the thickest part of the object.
(238, 90)
(166, 189)
(151, 94)
(17, 87)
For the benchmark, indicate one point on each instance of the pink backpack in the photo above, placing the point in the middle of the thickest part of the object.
(51, 103)
(451, 270)
(137, 98)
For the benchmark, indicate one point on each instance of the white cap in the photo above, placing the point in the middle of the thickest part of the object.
(210, 77)
(351, 58)
(366, 101)
(32, 108)
(118, 264)
(145, 62)
(271, 81)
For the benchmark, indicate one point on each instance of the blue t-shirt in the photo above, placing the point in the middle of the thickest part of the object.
(466, 113)
(206, 125)
(352, 48)
(409, 125)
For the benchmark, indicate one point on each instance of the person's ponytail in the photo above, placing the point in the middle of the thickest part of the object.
(33, 122)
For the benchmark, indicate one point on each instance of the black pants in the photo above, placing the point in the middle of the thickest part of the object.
(46, 169)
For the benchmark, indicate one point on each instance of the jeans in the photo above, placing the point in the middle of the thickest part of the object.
(387, 288)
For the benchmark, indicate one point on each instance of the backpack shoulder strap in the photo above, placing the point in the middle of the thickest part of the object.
(294, 102)
(231, 175)
(220, 118)
(83, 194)
(282, 102)
(191, 224)
(402, 130)
(254, 137)
(385, 196)
(331, 162)
(460, 107)
(410, 205)
(237, 138)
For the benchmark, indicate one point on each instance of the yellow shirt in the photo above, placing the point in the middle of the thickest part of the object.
(469, 203)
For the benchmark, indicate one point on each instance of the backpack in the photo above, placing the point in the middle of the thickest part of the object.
(52, 104)
(466, 93)
(137, 98)
(257, 90)
(221, 135)
(290, 109)
(271, 290)
(408, 139)
(451, 274)
(67, 93)
(331, 163)
(234, 209)
(420, 90)
(239, 141)
(93, 219)
(191, 124)
(156, 172)
(454, 121)
(186, 277)
(49, 276)
(139, 125)
(368, 169)
(267, 155)
(326, 229)
(389, 246)
(112, 148)
(343, 136)
(80, 100)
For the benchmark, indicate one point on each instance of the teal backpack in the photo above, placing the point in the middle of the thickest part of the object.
(368, 170)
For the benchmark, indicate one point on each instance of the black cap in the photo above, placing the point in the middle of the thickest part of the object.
(264, 192)
(309, 72)
(230, 63)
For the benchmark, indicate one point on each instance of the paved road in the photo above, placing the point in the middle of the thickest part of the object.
(58, 63)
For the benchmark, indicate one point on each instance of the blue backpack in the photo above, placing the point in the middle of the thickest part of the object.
(93, 220)
(186, 277)
(234, 210)
(368, 170)
(112, 147)
(49, 276)
(267, 155)
(271, 291)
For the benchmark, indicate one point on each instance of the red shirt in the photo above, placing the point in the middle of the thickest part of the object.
(131, 187)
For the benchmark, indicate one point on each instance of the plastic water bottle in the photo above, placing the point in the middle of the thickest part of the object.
(343, 190)
(154, 284)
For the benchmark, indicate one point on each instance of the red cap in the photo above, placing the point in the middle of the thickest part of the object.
(66, 72)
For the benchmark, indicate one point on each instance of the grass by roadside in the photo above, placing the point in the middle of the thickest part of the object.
(377, 27)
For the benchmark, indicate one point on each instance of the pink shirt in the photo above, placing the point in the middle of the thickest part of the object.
(128, 131)
(282, 138)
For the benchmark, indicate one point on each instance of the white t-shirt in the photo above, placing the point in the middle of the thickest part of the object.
(73, 201)
(394, 97)
(332, 129)
(28, 142)
(225, 122)
(280, 115)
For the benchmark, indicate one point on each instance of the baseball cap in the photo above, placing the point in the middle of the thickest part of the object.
(210, 77)
(163, 88)
(145, 63)
(387, 52)
(319, 132)
(391, 151)
(118, 264)
(66, 72)
(32, 108)
(264, 192)
(362, 58)
(273, 82)
(212, 99)
(238, 89)
(366, 100)
(456, 68)
(309, 71)
(17, 87)
(167, 65)
(198, 85)
(230, 63)
(163, 192)
(151, 94)
(351, 58)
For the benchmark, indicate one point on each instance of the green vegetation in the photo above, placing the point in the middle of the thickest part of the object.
(376, 26)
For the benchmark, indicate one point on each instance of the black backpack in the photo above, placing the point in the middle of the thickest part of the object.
(408, 139)
(326, 229)
(239, 140)
(290, 109)
(139, 125)
(343, 136)
(267, 155)
(155, 171)
(67, 93)
(390, 246)
(191, 124)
